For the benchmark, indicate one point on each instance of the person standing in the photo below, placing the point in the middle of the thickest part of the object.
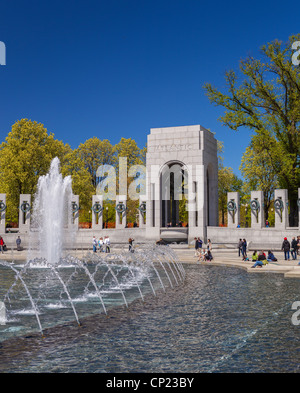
(286, 248)
(100, 243)
(294, 248)
(240, 246)
(200, 242)
(244, 248)
(18, 242)
(107, 244)
(94, 244)
(209, 245)
(196, 246)
(1, 244)
(130, 241)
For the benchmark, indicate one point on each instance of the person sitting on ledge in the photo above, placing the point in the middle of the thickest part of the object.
(201, 255)
(271, 257)
(261, 260)
(161, 242)
(208, 256)
(254, 256)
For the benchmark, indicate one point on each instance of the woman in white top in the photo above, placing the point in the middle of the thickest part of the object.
(209, 245)
(100, 244)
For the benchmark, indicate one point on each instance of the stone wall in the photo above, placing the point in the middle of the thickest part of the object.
(258, 239)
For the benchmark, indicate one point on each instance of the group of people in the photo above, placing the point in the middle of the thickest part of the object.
(260, 259)
(3, 245)
(243, 248)
(200, 252)
(291, 248)
(103, 244)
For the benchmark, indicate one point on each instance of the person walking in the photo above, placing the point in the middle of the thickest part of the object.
(286, 249)
(294, 246)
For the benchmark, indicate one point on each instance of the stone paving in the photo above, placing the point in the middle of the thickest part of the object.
(222, 257)
(230, 258)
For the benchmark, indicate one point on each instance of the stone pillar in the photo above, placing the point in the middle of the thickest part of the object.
(201, 208)
(233, 209)
(192, 203)
(257, 209)
(281, 209)
(97, 216)
(121, 217)
(24, 213)
(142, 215)
(2, 212)
(74, 216)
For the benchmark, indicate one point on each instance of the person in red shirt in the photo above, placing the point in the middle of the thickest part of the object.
(1, 244)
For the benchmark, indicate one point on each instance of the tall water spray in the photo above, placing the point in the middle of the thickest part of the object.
(51, 208)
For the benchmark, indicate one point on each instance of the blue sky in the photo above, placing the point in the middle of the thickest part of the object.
(117, 68)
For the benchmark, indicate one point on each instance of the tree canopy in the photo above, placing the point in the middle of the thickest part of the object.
(25, 155)
(28, 150)
(265, 98)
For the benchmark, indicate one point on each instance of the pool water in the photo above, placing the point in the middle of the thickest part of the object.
(220, 319)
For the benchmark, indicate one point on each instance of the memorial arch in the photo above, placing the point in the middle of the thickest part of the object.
(182, 169)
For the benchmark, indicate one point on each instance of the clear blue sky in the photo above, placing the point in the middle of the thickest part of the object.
(117, 68)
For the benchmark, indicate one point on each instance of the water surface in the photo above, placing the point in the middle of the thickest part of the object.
(220, 320)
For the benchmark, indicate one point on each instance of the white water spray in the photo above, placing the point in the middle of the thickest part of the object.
(51, 208)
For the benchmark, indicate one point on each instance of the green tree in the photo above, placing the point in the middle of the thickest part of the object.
(267, 101)
(135, 156)
(128, 148)
(227, 182)
(82, 184)
(25, 155)
(95, 152)
(258, 171)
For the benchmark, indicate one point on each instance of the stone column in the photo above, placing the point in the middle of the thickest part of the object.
(74, 216)
(201, 203)
(257, 209)
(2, 212)
(281, 209)
(24, 213)
(121, 217)
(192, 204)
(142, 215)
(233, 209)
(97, 216)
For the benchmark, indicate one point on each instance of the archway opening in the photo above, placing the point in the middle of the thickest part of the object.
(174, 195)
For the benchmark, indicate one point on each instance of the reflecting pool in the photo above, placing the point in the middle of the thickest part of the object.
(220, 319)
